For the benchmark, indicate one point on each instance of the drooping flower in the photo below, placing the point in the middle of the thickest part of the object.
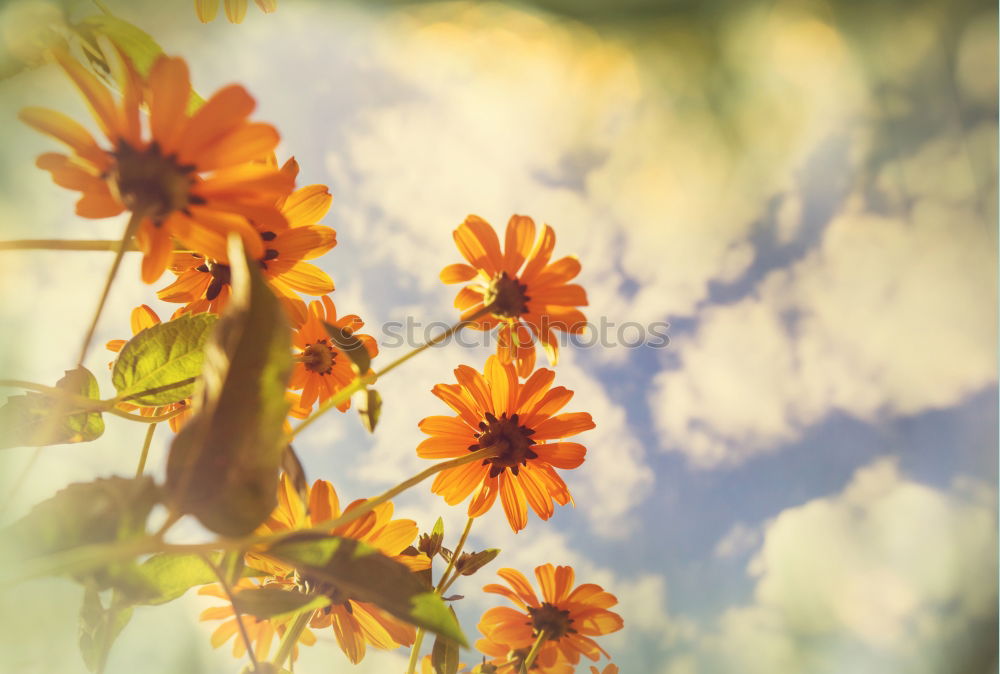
(355, 623)
(528, 297)
(193, 179)
(261, 632)
(144, 317)
(519, 421)
(203, 284)
(321, 368)
(235, 9)
(569, 617)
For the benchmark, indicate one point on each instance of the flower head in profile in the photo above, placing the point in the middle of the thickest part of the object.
(526, 296)
(192, 177)
(355, 623)
(144, 317)
(520, 422)
(569, 617)
(321, 368)
(203, 284)
(261, 632)
(235, 9)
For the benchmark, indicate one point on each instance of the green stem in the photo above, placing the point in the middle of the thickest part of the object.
(291, 638)
(155, 419)
(529, 659)
(130, 228)
(236, 612)
(441, 586)
(99, 245)
(145, 450)
(363, 381)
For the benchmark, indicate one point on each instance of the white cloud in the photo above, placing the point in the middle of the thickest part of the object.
(880, 577)
(739, 540)
(886, 317)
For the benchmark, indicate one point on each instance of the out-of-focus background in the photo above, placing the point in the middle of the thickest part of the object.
(802, 481)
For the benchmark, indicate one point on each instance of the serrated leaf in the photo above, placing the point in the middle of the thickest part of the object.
(272, 601)
(159, 365)
(223, 464)
(99, 627)
(444, 654)
(370, 408)
(361, 572)
(39, 419)
(350, 346)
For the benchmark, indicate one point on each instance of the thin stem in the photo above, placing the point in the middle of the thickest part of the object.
(99, 245)
(133, 224)
(145, 450)
(291, 638)
(154, 419)
(529, 659)
(236, 612)
(363, 381)
(441, 586)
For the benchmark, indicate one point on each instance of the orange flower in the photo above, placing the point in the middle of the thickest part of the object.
(322, 369)
(235, 9)
(527, 296)
(144, 317)
(516, 419)
(193, 179)
(569, 616)
(355, 623)
(203, 285)
(547, 661)
(260, 631)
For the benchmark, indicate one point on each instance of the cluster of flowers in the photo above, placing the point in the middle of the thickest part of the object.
(190, 178)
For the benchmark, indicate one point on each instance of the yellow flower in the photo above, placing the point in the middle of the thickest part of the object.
(519, 420)
(569, 617)
(235, 9)
(528, 297)
(203, 284)
(194, 178)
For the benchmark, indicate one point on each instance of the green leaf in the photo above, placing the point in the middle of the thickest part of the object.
(135, 43)
(350, 346)
(223, 464)
(99, 627)
(370, 408)
(438, 527)
(361, 572)
(444, 655)
(159, 365)
(39, 419)
(272, 601)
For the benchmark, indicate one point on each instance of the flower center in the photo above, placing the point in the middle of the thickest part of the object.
(506, 297)
(319, 357)
(550, 618)
(151, 183)
(220, 277)
(509, 438)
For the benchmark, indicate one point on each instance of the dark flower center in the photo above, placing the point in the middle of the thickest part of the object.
(220, 277)
(319, 357)
(152, 183)
(509, 438)
(550, 618)
(507, 297)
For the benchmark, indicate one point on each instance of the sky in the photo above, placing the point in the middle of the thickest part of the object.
(802, 480)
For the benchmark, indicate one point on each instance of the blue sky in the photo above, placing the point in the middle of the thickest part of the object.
(804, 479)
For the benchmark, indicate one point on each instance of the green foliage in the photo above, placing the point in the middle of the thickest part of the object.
(223, 465)
(168, 576)
(470, 562)
(351, 346)
(273, 601)
(444, 655)
(361, 572)
(39, 419)
(99, 627)
(370, 408)
(159, 365)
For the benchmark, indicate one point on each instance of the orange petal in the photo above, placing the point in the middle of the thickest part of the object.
(514, 503)
(539, 256)
(518, 239)
(485, 496)
(443, 447)
(307, 205)
(220, 114)
(563, 426)
(304, 242)
(458, 273)
(248, 142)
(206, 9)
(565, 455)
(170, 89)
(66, 130)
(97, 95)
(143, 317)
